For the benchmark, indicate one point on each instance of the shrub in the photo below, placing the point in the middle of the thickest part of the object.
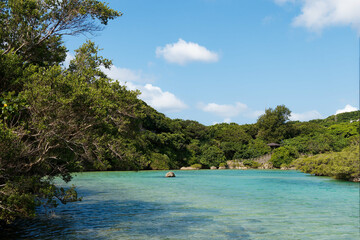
(283, 155)
(255, 165)
(251, 163)
(159, 161)
(212, 156)
(222, 164)
(255, 148)
(197, 165)
(340, 165)
(285, 165)
(248, 163)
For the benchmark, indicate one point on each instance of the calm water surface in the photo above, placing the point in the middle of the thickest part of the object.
(205, 204)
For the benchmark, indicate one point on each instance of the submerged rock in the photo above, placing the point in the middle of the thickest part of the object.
(170, 174)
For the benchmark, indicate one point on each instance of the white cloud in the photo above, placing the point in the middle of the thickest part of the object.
(68, 58)
(160, 100)
(347, 108)
(224, 110)
(306, 116)
(121, 74)
(228, 111)
(152, 95)
(255, 114)
(131, 86)
(227, 120)
(183, 52)
(319, 14)
(125, 75)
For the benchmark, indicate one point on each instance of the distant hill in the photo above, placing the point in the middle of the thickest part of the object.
(339, 118)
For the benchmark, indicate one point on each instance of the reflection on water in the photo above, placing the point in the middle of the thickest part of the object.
(228, 204)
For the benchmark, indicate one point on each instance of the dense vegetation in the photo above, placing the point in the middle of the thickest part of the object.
(340, 165)
(56, 120)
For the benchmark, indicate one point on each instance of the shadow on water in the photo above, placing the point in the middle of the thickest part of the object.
(122, 219)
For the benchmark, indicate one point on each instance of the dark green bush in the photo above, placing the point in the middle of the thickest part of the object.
(212, 156)
(251, 163)
(160, 161)
(283, 155)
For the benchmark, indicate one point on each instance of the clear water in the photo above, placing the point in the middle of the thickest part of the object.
(205, 204)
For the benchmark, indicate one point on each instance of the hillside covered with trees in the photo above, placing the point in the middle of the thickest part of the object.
(56, 120)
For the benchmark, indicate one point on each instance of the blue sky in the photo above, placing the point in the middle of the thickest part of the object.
(228, 60)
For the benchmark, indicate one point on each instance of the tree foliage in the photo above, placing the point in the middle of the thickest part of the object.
(31, 32)
(212, 156)
(272, 125)
(55, 121)
(256, 148)
(340, 165)
(284, 155)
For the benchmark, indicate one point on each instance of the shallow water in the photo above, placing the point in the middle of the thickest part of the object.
(205, 204)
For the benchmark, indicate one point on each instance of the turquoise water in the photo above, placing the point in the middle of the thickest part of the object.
(205, 204)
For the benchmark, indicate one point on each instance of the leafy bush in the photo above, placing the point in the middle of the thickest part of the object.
(285, 165)
(230, 148)
(283, 155)
(255, 165)
(319, 143)
(340, 165)
(248, 163)
(251, 163)
(232, 132)
(255, 148)
(160, 161)
(212, 156)
(222, 164)
(199, 166)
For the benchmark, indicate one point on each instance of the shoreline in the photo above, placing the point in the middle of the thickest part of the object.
(354, 180)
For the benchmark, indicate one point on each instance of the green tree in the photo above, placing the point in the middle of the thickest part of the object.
(192, 129)
(159, 161)
(212, 156)
(272, 125)
(31, 32)
(230, 148)
(256, 148)
(232, 132)
(283, 155)
(195, 151)
(74, 121)
(52, 118)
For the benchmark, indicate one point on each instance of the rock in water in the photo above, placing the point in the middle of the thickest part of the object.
(170, 174)
(213, 167)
